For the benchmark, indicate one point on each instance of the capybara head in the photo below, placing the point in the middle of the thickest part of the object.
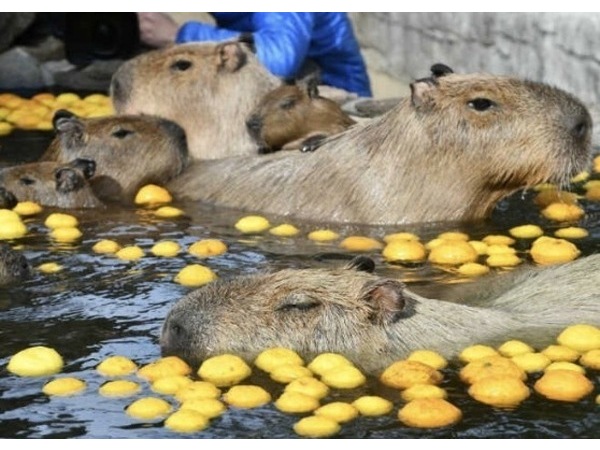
(311, 311)
(518, 132)
(207, 88)
(130, 151)
(374, 320)
(291, 113)
(53, 184)
(7, 199)
(13, 265)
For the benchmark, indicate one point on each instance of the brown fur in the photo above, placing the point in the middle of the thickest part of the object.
(372, 320)
(433, 157)
(207, 88)
(13, 265)
(130, 151)
(288, 116)
(52, 184)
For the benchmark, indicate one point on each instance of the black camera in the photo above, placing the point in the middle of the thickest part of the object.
(93, 36)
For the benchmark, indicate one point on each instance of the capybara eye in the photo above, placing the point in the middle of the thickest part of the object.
(181, 65)
(26, 181)
(288, 103)
(121, 133)
(481, 104)
(297, 302)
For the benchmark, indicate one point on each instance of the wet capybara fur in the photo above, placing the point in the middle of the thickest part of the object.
(373, 320)
(49, 183)
(295, 116)
(129, 151)
(451, 151)
(13, 265)
(207, 88)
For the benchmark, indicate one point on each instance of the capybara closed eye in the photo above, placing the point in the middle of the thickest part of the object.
(13, 265)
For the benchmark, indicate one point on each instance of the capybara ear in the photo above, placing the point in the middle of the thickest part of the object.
(387, 300)
(289, 81)
(440, 70)
(312, 87)
(231, 56)
(60, 115)
(68, 179)
(421, 91)
(361, 263)
(247, 39)
(87, 166)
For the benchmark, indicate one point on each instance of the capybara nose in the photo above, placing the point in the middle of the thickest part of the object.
(254, 123)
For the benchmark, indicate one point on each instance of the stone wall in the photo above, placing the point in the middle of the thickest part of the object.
(557, 48)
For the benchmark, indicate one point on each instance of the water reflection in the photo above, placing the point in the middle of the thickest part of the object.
(98, 306)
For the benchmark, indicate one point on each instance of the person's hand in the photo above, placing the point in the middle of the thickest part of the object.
(157, 29)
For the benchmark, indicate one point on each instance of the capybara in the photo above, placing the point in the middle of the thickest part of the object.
(208, 88)
(129, 151)
(13, 265)
(7, 199)
(451, 151)
(295, 116)
(373, 320)
(49, 183)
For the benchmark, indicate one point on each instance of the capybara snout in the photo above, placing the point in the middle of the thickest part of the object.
(13, 265)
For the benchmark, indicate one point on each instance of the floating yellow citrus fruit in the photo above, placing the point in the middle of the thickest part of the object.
(168, 249)
(27, 208)
(563, 212)
(404, 251)
(429, 357)
(316, 427)
(571, 233)
(186, 421)
(531, 362)
(197, 390)
(491, 366)
(116, 366)
(591, 359)
(498, 239)
(580, 337)
(295, 402)
(526, 231)
(35, 362)
(343, 377)
(360, 244)
(268, 360)
(453, 253)
(500, 391)
(171, 384)
(423, 391)
(475, 352)
(326, 361)
(429, 413)
(473, 270)
(60, 220)
(65, 234)
(564, 385)
(252, 224)
(284, 230)
(106, 246)
(164, 367)
(372, 405)
(404, 374)
(561, 353)
(247, 396)
(195, 275)
(207, 247)
(63, 387)
(341, 412)
(168, 211)
(50, 267)
(119, 388)
(308, 386)
(130, 253)
(208, 407)
(224, 370)
(152, 194)
(514, 347)
(149, 408)
(323, 235)
(546, 250)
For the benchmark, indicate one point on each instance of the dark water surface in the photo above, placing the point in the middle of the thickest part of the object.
(99, 306)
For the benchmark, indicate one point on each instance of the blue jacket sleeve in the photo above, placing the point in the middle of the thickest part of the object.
(282, 39)
(197, 31)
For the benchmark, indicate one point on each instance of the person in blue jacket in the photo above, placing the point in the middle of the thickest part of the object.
(284, 41)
